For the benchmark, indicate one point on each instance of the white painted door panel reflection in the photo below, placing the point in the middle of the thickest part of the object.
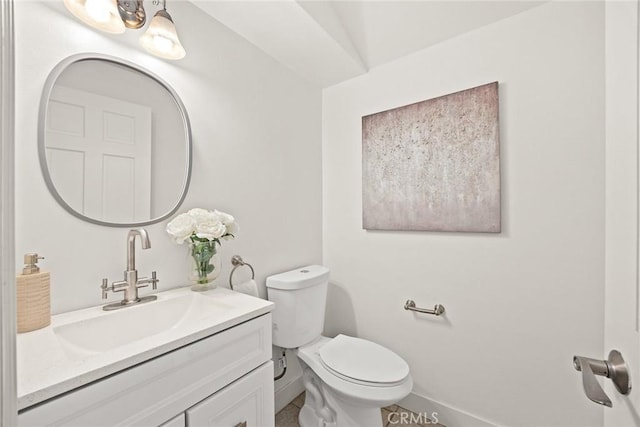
(107, 142)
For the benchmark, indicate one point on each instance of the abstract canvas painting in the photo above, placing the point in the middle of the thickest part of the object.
(434, 165)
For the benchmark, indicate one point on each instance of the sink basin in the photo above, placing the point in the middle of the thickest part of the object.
(109, 330)
(89, 344)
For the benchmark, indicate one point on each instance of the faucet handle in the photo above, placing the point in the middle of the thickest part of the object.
(105, 287)
(144, 282)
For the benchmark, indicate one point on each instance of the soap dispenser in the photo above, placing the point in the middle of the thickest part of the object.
(33, 296)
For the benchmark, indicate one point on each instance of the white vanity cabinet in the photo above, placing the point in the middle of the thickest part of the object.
(241, 404)
(225, 379)
(178, 421)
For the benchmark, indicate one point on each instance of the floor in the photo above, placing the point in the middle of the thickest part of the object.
(392, 415)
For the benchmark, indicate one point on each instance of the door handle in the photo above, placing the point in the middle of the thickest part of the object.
(614, 368)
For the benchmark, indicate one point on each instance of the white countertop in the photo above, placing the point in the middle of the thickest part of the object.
(47, 368)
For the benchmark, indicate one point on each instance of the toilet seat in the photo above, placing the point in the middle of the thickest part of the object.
(357, 392)
(363, 362)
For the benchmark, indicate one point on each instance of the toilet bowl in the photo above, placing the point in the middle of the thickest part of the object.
(360, 384)
(347, 380)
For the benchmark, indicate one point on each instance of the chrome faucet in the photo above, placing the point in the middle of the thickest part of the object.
(131, 247)
(131, 283)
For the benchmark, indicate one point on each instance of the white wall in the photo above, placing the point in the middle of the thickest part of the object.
(257, 147)
(520, 303)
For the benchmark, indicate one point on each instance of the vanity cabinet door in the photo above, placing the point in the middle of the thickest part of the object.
(179, 421)
(248, 402)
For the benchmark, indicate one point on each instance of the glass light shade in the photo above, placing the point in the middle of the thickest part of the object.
(161, 38)
(100, 14)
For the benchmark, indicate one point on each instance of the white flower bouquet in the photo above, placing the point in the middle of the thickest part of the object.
(202, 229)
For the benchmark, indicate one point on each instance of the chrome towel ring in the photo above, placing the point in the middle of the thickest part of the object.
(237, 261)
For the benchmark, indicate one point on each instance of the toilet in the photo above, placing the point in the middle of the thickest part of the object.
(347, 380)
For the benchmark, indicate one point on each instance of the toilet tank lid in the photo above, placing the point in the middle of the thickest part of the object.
(299, 278)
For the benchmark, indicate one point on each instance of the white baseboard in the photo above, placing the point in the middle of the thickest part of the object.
(286, 393)
(446, 415)
(423, 406)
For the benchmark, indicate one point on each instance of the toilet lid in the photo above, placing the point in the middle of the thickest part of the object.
(363, 360)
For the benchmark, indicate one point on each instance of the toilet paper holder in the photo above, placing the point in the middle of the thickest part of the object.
(614, 368)
(237, 261)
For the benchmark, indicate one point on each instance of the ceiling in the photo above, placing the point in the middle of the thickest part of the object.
(329, 41)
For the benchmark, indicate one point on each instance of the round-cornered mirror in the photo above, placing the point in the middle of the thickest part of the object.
(114, 142)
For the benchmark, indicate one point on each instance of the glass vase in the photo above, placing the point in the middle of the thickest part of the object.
(204, 265)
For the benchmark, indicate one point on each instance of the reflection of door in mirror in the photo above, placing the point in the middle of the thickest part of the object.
(114, 142)
(99, 154)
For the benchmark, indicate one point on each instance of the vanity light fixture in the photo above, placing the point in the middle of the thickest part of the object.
(114, 16)
(100, 14)
(161, 38)
(132, 13)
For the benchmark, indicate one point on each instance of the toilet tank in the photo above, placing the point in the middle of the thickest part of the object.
(300, 298)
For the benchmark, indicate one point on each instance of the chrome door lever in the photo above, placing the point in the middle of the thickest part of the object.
(614, 367)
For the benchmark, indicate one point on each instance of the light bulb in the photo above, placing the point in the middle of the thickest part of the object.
(161, 38)
(100, 14)
(98, 10)
(162, 43)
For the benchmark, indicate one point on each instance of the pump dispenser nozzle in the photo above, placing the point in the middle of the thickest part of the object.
(31, 263)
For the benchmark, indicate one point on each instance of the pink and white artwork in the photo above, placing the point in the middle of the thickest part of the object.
(434, 165)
